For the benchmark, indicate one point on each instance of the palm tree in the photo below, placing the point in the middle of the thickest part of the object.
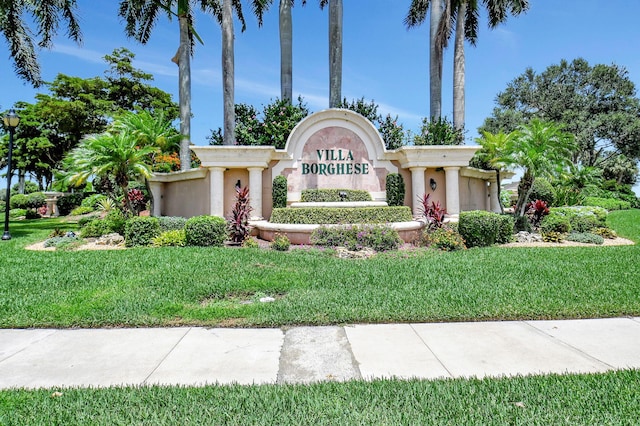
(286, 50)
(115, 155)
(463, 15)
(46, 15)
(335, 53)
(541, 149)
(493, 156)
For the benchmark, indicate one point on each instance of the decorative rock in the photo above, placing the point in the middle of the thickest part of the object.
(267, 299)
(365, 253)
(114, 239)
(528, 237)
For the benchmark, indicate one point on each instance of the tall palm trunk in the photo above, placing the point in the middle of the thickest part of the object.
(335, 53)
(459, 69)
(183, 60)
(435, 61)
(286, 51)
(228, 73)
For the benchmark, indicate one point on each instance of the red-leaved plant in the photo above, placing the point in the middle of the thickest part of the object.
(536, 211)
(432, 211)
(238, 221)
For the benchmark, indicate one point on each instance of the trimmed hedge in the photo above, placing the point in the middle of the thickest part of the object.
(395, 189)
(279, 192)
(140, 231)
(357, 237)
(555, 222)
(333, 195)
(321, 215)
(205, 231)
(171, 223)
(480, 228)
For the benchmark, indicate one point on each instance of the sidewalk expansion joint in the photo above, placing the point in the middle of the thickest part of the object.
(164, 358)
(432, 352)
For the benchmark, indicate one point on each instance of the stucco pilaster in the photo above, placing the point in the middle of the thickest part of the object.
(452, 176)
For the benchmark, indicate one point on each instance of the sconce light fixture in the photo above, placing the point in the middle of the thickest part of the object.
(238, 184)
(433, 184)
(343, 195)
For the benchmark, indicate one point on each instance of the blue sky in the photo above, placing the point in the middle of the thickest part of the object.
(383, 61)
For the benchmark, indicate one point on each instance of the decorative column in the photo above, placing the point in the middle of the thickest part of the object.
(494, 201)
(417, 187)
(452, 190)
(156, 194)
(217, 191)
(255, 192)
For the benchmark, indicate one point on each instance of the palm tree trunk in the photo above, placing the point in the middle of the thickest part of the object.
(435, 61)
(335, 53)
(286, 51)
(228, 73)
(184, 93)
(459, 69)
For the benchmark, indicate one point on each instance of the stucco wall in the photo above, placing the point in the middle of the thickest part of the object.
(473, 194)
(186, 198)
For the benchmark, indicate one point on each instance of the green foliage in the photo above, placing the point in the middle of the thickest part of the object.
(206, 231)
(356, 237)
(171, 223)
(115, 221)
(438, 132)
(31, 214)
(19, 201)
(29, 187)
(92, 200)
(584, 223)
(78, 211)
(543, 190)
(68, 202)
(392, 133)
(480, 228)
(607, 203)
(95, 228)
(280, 243)
(15, 213)
(279, 191)
(605, 232)
(566, 196)
(250, 243)
(313, 215)
(598, 213)
(64, 242)
(585, 237)
(172, 238)
(555, 222)
(139, 231)
(395, 189)
(238, 221)
(333, 195)
(444, 239)
(553, 236)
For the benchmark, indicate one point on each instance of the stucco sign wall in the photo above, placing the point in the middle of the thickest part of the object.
(335, 149)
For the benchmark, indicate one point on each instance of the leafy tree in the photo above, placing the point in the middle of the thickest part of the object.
(438, 131)
(597, 104)
(46, 16)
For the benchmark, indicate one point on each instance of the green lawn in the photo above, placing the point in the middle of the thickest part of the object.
(593, 399)
(209, 286)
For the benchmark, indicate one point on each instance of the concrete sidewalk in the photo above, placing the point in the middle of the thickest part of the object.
(198, 356)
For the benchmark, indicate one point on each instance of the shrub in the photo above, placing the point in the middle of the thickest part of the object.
(395, 189)
(13, 213)
(607, 203)
(542, 190)
(106, 204)
(536, 211)
(238, 221)
(64, 242)
(598, 213)
(36, 200)
(92, 200)
(250, 243)
(555, 222)
(505, 229)
(553, 237)
(19, 201)
(357, 237)
(139, 231)
(443, 239)
(321, 215)
(205, 231)
(68, 202)
(568, 197)
(31, 214)
(280, 243)
(171, 223)
(95, 228)
(480, 228)
(78, 211)
(333, 195)
(172, 238)
(279, 191)
(585, 223)
(585, 237)
(392, 133)
(605, 232)
(115, 221)
(432, 212)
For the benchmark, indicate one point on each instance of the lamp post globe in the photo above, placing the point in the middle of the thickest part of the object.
(11, 121)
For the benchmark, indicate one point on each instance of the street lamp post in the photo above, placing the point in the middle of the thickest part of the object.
(11, 120)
